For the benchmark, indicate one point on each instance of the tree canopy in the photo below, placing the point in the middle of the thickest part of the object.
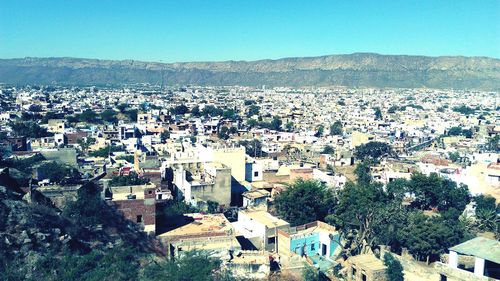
(29, 129)
(304, 201)
(394, 269)
(336, 129)
(130, 179)
(373, 149)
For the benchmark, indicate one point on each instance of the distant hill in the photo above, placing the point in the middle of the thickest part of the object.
(354, 70)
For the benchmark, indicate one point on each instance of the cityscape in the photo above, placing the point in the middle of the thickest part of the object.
(353, 167)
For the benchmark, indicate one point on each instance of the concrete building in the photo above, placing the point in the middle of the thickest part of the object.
(255, 198)
(137, 203)
(486, 255)
(212, 233)
(260, 228)
(56, 126)
(212, 181)
(312, 239)
(253, 172)
(365, 267)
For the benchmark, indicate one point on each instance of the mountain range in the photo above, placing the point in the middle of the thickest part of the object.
(352, 70)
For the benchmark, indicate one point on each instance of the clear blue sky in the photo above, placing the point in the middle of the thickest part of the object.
(201, 30)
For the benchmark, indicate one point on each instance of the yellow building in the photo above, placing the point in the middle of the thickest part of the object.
(56, 126)
(359, 138)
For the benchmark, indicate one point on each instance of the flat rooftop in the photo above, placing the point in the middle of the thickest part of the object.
(481, 247)
(256, 193)
(201, 224)
(265, 218)
(367, 261)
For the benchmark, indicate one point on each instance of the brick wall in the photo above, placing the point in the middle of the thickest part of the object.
(137, 207)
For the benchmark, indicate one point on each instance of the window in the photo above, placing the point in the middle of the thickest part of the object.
(139, 218)
(353, 271)
(363, 276)
(313, 247)
(255, 174)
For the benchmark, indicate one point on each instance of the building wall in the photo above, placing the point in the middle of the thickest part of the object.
(253, 172)
(359, 138)
(301, 244)
(233, 158)
(297, 242)
(303, 173)
(139, 207)
(62, 155)
(283, 244)
(219, 192)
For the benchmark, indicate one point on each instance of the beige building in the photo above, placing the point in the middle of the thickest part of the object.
(359, 138)
(365, 267)
(56, 126)
(208, 232)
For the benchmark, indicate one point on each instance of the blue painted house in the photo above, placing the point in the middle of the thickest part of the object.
(317, 240)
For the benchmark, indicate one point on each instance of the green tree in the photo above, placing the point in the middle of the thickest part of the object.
(485, 202)
(191, 266)
(120, 264)
(252, 123)
(103, 152)
(223, 133)
(464, 110)
(88, 116)
(486, 213)
(196, 111)
(252, 147)
(89, 209)
(320, 131)
(230, 114)
(211, 110)
(130, 179)
(180, 110)
(428, 237)
(174, 208)
(454, 156)
(397, 188)
(132, 114)
(122, 107)
(109, 115)
(212, 207)
(362, 172)
(328, 150)
(394, 270)
(29, 129)
(356, 211)
(393, 109)
(487, 220)
(373, 149)
(336, 129)
(289, 126)
(304, 201)
(85, 143)
(493, 143)
(378, 113)
(434, 191)
(165, 135)
(276, 123)
(58, 173)
(310, 273)
(253, 110)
